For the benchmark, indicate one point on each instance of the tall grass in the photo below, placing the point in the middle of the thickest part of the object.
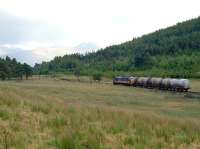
(67, 115)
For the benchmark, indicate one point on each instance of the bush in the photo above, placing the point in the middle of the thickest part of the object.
(3, 75)
(97, 76)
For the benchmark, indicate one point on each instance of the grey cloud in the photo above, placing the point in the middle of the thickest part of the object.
(15, 29)
(31, 58)
(21, 55)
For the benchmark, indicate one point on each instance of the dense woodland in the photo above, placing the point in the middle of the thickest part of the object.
(170, 52)
(11, 69)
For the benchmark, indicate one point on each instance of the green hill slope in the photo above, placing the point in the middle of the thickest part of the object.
(173, 52)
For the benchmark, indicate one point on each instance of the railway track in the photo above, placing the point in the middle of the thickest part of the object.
(192, 94)
(188, 94)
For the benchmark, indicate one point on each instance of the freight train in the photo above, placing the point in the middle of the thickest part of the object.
(179, 85)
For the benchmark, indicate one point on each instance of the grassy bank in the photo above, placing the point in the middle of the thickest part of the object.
(61, 114)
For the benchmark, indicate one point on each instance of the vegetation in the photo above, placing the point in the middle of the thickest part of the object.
(172, 52)
(77, 74)
(97, 76)
(49, 113)
(58, 112)
(10, 68)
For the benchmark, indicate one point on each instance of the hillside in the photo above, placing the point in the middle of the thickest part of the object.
(173, 52)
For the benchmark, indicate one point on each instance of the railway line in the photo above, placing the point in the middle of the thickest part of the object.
(192, 94)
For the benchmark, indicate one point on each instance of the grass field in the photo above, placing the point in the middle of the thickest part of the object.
(51, 113)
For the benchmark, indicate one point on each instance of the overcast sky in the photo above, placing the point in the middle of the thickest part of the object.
(54, 27)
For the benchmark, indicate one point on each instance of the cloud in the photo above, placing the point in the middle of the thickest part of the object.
(21, 55)
(30, 41)
(52, 28)
(14, 29)
(42, 52)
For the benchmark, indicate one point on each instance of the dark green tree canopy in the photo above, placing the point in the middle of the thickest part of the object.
(10, 68)
(173, 51)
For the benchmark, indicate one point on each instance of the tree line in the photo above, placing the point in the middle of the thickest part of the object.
(11, 69)
(170, 52)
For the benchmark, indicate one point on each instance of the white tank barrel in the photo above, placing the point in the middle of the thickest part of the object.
(156, 82)
(165, 84)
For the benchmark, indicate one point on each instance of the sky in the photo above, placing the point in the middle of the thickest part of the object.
(38, 30)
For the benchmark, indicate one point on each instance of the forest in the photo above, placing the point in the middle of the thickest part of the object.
(11, 69)
(170, 52)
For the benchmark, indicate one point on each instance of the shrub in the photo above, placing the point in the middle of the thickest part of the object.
(97, 76)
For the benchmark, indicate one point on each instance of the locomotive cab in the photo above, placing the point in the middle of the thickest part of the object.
(123, 80)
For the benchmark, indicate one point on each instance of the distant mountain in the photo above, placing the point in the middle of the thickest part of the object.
(23, 56)
(170, 52)
(30, 56)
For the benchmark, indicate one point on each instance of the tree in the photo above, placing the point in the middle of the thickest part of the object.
(141, 58)
(3, 70)
(2, 75)
(10, 68)
(77, 74)
(27, 70)
(149, 53)
(19, 71)
(97, 76)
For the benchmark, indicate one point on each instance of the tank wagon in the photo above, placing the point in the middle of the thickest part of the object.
(155, 82)
(178, 85)
(142, 81)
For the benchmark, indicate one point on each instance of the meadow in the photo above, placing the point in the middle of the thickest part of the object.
(66, 114)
